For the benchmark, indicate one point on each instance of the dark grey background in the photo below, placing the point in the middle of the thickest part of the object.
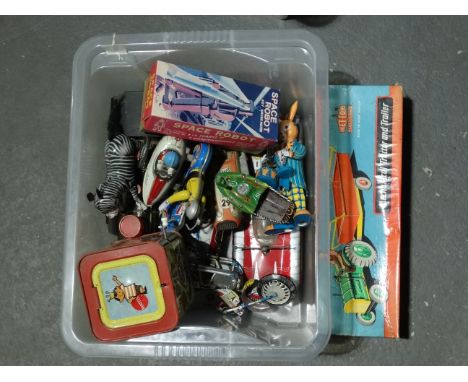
(427, 55)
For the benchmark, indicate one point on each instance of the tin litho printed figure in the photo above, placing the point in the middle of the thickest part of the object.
(188, 202)
(284, 170)
(123, 292)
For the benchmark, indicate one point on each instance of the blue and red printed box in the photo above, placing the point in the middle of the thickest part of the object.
(200, 106)
(365, 194)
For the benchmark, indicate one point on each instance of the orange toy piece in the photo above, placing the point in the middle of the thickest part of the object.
(345, 199)
(227, 216)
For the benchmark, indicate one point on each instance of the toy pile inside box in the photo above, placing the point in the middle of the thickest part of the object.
(206, 195)
(206, 200)
(365, 193)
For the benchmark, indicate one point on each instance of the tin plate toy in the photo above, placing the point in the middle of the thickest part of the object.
(282, 256)
(163, 168)
(135, 288)
(254, 197)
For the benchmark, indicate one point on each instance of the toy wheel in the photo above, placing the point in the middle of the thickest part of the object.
(378, 294)
(363, 183)
(281, 286)
(366, 319)
(360, 253)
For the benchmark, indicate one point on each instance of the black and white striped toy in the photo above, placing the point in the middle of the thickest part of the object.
(121, 167)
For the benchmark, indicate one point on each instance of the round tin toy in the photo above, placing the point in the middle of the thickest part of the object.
(131, 226)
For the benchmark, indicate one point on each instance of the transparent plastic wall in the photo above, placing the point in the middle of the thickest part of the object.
(294, 61)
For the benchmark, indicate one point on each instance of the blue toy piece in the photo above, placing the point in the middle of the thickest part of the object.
(175, 216)
(289, 166)
(267, 172)
(277, 228)
(171, 160)
(202, 154)
(188, 202)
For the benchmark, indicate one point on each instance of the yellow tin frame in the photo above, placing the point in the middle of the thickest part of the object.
(128, 321)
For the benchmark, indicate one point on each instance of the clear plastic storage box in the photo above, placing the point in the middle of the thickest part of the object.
(294, 61)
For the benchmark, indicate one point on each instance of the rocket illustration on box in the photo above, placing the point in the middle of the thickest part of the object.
(196, 105)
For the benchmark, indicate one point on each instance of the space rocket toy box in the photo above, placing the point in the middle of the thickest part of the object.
(200, 106)
(365, 193)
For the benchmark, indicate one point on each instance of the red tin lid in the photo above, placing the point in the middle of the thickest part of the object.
(131, 226)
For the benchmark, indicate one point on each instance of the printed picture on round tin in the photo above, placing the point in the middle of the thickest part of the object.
(128, 291)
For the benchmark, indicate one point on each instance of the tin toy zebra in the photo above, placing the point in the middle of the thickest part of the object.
(121, 167)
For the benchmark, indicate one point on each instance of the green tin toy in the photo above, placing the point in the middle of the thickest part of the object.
(255, 197)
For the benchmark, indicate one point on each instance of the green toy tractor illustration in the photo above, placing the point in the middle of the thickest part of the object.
(350, 254)
(352, 275)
